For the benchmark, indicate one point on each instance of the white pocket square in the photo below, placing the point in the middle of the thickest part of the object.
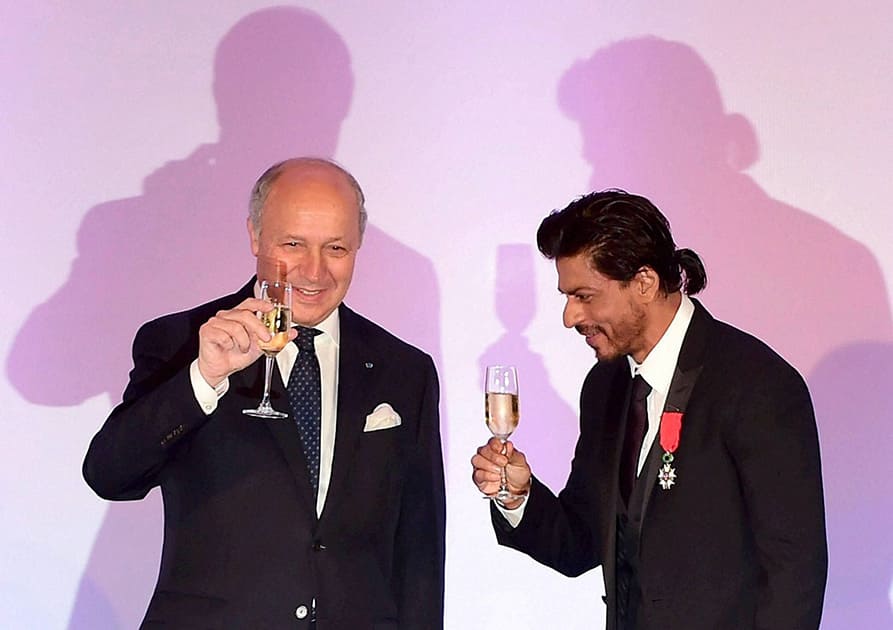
(382, 417)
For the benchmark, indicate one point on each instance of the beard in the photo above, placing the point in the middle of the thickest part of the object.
(625, 336)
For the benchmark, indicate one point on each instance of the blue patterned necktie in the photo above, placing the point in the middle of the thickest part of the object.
(305, 398)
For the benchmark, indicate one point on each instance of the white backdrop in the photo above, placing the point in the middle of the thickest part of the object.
(130, 134)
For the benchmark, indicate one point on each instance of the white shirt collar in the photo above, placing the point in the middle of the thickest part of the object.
(331, 326)
(660, 364)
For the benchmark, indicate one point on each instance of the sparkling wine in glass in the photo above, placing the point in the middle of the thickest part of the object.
(278, 323)
(501, 412)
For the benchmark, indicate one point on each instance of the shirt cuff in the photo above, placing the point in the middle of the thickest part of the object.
(206, 395)
(513, 516)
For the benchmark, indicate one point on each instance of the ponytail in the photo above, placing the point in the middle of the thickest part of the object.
(694, 275)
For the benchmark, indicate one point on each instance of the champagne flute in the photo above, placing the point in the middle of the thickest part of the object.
(502, 413)
(278, 323)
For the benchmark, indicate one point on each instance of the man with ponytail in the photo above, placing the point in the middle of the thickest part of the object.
(696, 481)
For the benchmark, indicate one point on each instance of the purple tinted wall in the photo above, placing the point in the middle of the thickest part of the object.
(131, 136)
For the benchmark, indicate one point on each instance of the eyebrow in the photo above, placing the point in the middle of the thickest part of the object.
(326, 240)
(576, 290)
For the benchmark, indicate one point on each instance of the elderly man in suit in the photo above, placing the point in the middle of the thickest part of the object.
(696, 481)
(335, 522)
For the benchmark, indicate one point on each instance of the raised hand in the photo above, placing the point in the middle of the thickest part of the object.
(228, 342)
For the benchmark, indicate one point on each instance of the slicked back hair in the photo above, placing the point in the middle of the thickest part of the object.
(621, 233)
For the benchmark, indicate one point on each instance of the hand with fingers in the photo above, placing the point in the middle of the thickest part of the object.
(488, 462)
(228, 342)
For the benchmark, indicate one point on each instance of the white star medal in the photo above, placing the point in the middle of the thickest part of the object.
(667, 474)
(670, 428)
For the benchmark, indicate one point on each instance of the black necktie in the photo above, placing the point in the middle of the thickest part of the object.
(636, 424)
(305, 398)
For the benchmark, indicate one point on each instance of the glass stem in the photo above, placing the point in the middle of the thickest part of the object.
(268, 376)
(503, 489)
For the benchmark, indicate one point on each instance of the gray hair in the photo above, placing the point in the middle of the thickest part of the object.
(265, 182)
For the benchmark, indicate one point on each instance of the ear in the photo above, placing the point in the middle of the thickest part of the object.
(255, 244)
(646, 284)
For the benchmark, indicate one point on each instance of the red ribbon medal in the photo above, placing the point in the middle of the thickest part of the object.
(670, 428)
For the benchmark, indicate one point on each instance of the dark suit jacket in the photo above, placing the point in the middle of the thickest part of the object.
(739, 541)
(243, 547)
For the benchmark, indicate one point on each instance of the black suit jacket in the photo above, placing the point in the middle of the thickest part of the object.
(243, 547)
(739, 541)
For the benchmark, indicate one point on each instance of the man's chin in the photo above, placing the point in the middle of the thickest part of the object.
(602, 352)
(309, 317)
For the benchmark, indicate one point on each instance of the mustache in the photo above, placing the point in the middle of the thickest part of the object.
(588, 331)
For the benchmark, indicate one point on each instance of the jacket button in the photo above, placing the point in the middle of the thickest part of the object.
(301, 612)
(318, 546)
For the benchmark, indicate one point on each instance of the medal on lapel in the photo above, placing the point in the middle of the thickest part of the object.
(670, 428)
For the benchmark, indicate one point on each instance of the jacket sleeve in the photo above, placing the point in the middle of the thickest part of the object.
(555, 530)
(420, 544)
(127, 456)
(562, 532)
(775, 447)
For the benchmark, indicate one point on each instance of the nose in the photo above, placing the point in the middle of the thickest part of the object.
(312, 266)
(572, 313)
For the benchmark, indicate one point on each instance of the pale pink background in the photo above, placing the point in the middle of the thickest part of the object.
(130, 134)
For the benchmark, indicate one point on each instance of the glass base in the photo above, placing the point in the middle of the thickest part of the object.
(504, 495)
(264, 412)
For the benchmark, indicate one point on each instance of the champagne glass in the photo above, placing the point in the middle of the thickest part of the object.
(278, 323)
(502, 413)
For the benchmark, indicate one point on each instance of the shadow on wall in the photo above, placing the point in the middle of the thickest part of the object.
(653, 122)
(283, 85)
(548, 429)
(851, 388)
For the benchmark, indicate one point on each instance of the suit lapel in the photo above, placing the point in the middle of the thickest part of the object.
(688, 369)
(250, 383)
(357, 371)
(618, 407)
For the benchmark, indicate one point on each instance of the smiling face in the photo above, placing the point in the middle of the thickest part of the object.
(310, 221)
(611, 314)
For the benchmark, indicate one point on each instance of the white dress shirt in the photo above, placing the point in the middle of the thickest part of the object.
(657, 369)
(327, 346)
